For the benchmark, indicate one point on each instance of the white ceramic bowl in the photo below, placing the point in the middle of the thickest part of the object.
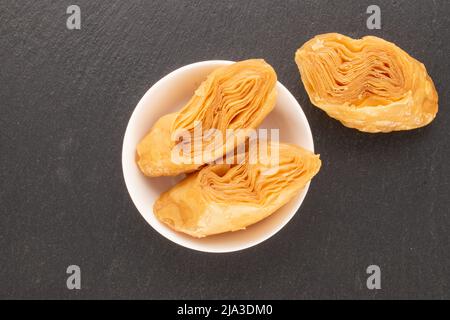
(168, 95)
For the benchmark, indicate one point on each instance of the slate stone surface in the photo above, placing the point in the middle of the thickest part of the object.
(66, 97)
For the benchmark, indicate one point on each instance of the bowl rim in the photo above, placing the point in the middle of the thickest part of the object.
(176, 239)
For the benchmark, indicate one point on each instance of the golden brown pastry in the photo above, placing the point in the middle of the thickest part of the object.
(238, 96)
(368, 84)
(221, 197)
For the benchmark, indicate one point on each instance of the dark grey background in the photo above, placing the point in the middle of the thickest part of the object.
(66, 97)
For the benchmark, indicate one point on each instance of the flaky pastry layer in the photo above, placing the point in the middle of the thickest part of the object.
(238, 96)
(368, 84)
(222, 197)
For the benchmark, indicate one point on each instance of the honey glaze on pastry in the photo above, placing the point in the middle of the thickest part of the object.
(237, 96)
(229, 197)
(368, 84)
